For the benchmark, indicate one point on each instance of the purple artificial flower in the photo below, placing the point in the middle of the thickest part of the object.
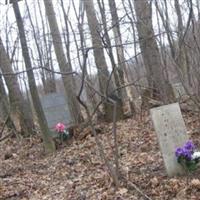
(187, 153)
(179, 152)
(189, 146)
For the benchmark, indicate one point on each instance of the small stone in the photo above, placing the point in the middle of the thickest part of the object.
(122, 191)
(195, 183)
(154, 181)
(174, 183)
(14, 155)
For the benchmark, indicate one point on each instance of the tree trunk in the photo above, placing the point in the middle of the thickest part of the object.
(122, 67)
(48, 142)
(150, 51)
(5, 114)
(103, 73)
(69, 82)
(44, 56)
(82, 55)
(115, 68)
(165, 21)
(198, 9)
(18, 103)
(182, 57)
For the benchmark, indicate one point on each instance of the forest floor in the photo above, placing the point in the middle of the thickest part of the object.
(75, 172)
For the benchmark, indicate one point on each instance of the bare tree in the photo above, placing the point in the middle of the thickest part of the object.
(116, 72)
(80, 43)
(163, 12)
(44, 52)
(150, 50)
(122, 67)
(182, 57)
(18, 103)
(47, 140)
(105, 83)
(68, 81)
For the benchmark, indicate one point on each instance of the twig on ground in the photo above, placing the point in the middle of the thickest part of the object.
(6, 136)
(4, 125)
(131, 185)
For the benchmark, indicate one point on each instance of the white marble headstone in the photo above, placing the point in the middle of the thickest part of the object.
(171, 132)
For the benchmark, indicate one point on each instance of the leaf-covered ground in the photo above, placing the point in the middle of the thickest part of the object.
(76, 172)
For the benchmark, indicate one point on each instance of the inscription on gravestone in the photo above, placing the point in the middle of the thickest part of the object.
(55, 109)
(171, 132)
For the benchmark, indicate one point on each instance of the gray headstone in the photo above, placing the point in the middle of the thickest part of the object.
(179, 90)
(171, 132)
(55, 109)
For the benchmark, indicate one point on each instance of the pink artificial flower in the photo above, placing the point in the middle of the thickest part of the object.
(60, 127)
